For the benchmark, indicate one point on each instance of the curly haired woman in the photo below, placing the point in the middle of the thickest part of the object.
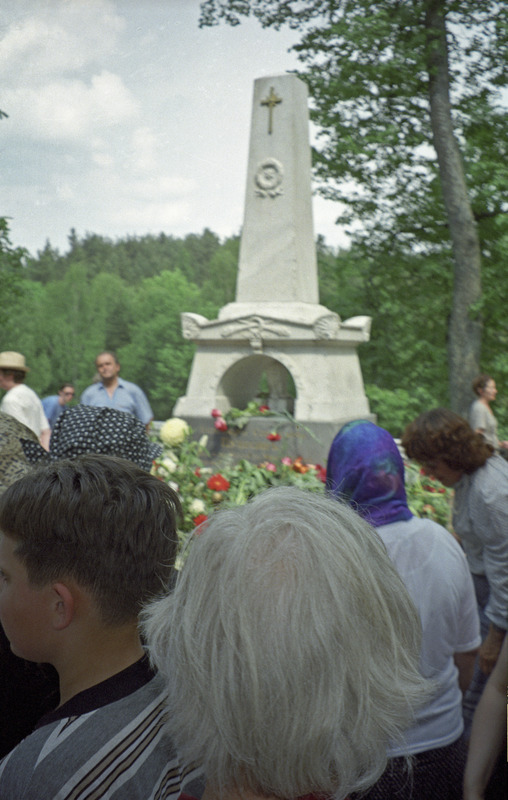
(448, 448)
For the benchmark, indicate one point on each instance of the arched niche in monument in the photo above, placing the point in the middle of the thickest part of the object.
(257, 377)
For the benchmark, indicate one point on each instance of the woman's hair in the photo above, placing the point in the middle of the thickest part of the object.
(442, 434)
(289, 647)
(480, 382)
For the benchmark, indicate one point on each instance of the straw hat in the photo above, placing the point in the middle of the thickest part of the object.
(12, 360)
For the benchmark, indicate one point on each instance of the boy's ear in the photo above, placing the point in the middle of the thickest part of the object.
(63, 606)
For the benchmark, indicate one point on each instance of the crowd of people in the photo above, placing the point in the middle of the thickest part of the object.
(311, 646)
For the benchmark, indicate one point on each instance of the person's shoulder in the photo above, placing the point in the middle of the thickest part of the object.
(91, 390)
(128, 735)
(130, 386)
(17, 768)
(493, 473)
(426, 540)
(50, 401)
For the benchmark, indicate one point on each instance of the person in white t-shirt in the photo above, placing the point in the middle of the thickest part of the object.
(20, 401)
(481, 416)
(366, 470)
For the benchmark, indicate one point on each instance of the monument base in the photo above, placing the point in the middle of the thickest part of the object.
(309, 440)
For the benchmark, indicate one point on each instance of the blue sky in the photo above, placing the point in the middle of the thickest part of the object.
(125, 119)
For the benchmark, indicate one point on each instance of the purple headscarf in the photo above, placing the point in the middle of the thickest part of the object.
(366, 470)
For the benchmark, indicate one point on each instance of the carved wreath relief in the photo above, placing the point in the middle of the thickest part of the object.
(268, 178)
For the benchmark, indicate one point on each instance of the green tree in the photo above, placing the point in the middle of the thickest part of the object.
(156, 356)
(12, 261)
(387, 80)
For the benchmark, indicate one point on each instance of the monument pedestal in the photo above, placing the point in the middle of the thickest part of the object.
(276, 333)
(309, 441)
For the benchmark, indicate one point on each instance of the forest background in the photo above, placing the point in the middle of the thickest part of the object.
(61, 309)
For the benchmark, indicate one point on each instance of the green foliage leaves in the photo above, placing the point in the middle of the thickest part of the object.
(11, 271)
(125, 296)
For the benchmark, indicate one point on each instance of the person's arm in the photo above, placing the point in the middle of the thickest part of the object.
(488, 731)
(142, 408)
(490, 648)
(44, 438)
(490, 520)
(465, 664)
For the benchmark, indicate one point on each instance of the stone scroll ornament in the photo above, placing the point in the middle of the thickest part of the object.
(268, 178)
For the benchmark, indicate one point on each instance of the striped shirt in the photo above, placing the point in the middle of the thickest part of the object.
(106, 742)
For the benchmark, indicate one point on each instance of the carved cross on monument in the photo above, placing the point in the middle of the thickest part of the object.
(277, 251)
(271, 101)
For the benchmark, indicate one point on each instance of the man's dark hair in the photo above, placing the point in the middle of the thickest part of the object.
(65, 385)
(99, 520)
(107, 353)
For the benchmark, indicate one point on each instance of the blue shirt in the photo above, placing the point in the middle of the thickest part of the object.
(126, 397)
(52, 408)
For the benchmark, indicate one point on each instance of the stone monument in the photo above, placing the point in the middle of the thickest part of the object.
(276, 333)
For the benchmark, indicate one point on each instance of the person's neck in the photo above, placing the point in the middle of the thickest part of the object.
(110, 384)
(485, 402)
(111, 651)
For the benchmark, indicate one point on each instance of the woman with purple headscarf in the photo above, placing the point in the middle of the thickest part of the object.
(365, 469)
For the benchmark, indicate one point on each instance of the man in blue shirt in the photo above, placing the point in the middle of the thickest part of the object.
(55, 403)
(113, 392)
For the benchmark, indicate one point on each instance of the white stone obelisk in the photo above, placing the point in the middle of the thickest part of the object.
(276, 330)
(277, 251)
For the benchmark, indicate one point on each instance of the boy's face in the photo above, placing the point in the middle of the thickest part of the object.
(24, 609)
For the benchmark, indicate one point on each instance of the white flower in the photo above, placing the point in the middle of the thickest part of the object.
(173, 486)
(204, 440)
(174, 431)
(169, 464)
(197, 506)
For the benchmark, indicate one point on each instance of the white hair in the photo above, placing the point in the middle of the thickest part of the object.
(289, 647)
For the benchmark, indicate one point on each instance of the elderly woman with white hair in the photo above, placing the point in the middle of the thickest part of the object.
(290, 650)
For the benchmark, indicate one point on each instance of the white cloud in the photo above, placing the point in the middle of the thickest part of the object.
(71, 109)
(47, 39)
(144, 149)
(125, 117)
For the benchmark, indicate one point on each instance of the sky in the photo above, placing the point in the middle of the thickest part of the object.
(126, 119)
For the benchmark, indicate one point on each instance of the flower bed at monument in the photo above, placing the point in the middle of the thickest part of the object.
(202, 489)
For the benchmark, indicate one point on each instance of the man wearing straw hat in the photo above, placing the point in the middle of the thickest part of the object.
(20, 401)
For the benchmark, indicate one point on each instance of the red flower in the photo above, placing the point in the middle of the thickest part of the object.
(216, 413)
(218, 483)
(221, 424)
(199, 521)
(197, 472)
(273, 437)
(263, 408)
(299, 466)
(321, 473)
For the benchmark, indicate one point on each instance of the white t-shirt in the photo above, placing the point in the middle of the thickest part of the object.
(482, 418)
(22, 403)
(436, 574)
